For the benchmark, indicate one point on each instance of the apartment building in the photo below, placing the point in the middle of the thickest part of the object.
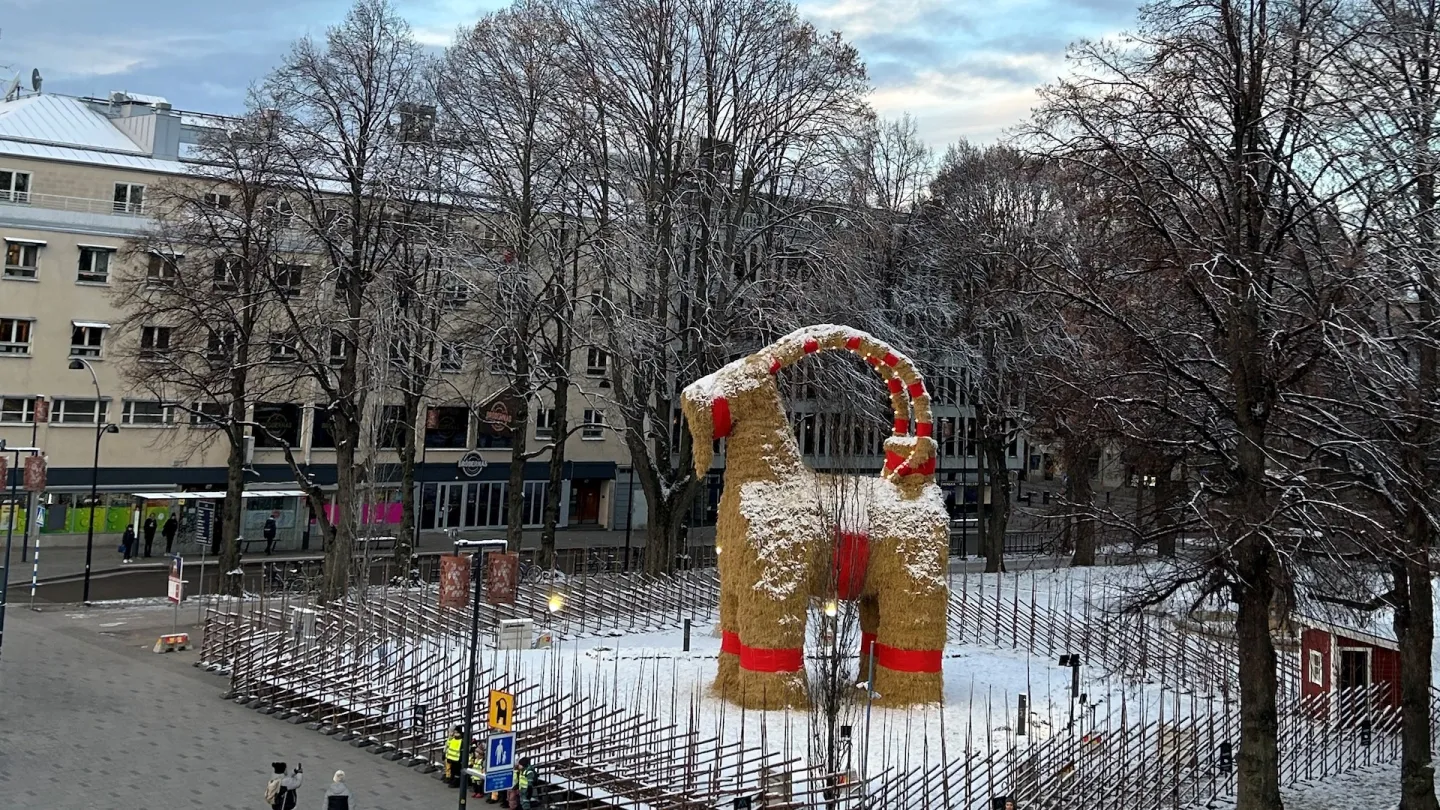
(74, 175)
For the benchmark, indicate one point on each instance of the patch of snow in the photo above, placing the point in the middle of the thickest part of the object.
(785, 520)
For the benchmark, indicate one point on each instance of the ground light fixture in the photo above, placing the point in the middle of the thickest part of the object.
(831, 608)
(557, 603)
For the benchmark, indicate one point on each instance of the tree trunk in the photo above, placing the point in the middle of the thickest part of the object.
(666, 518)
(1167, 492)
(339, 540)
(560, 425)
(1257, 760)
(519, 431)
(232, 512)
(1415, 632)
(1081, 494)
(409, 444)
(997, 479)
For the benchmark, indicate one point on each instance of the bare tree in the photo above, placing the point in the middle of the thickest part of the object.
(712, 130)
(203, 302)
(335, 104)
(1198, 129)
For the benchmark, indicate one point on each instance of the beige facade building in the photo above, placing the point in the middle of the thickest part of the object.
(74, 176)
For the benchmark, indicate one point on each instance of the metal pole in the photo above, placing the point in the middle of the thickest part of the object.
(5, 570)
(94, 488)
(475, 572)
(30, 498)
(35, 568)
(629, 513)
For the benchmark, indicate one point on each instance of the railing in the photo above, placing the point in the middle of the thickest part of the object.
(83, 205)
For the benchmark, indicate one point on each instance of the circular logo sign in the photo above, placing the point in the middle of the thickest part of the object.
(472, 464)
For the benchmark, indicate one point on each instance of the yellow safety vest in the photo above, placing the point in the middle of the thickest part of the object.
(452, 749)
(525, 778)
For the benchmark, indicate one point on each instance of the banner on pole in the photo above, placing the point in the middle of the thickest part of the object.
(42, 410)
(35, 474)
(176, 589)
(502, 578)
(454, 581)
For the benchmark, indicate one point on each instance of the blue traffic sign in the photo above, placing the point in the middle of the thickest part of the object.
(499, 762)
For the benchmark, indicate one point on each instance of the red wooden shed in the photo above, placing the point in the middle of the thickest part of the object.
(1336, 658)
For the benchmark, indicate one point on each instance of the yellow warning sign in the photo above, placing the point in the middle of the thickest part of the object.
(502, 710)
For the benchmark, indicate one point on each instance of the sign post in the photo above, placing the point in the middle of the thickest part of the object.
(176, 588)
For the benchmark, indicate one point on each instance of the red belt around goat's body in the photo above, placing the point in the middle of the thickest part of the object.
(762, 659)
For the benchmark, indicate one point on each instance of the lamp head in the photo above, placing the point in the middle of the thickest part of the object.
(76, 365)
(112, 428)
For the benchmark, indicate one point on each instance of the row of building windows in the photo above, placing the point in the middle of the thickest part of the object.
(445, 427)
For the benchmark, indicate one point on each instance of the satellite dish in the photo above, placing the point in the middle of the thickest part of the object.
(35, 80)
(13, 89)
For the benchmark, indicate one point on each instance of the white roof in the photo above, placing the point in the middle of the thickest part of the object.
(93, 157)
(61, 121)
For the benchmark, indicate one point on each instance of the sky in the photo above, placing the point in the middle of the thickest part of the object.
(961, 68)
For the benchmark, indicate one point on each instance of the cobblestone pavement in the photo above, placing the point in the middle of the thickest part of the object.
(91, 719)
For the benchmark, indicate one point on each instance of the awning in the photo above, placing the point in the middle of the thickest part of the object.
(91, 324)
(23, 241)
(210, 496)
(111, 248)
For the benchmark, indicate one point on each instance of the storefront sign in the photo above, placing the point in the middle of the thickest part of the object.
(472, 464)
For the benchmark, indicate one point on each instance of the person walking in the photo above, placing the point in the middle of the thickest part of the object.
(281, 790)
(528, 783)
(337, 796)
(149, 531)
(272, 527)
(170, 529)
(127, 545)
(452, 757)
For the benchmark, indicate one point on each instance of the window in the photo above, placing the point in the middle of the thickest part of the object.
(209, 414)
(227, 272)
(79, 411)
(129, 198)
(17, 410)
(220, 346)
(594, 425)
(284, 348)
(288, 278)
(392, 426)
(14, 336)
(447, 427)
(148, 412)
(337, 350)
(14, 186)
(86, 338)
(22, 259)
(277, 424)
(94, 265)
(1317, 668)
(322, 428)
(453, 293)
(214, 199)
(162, 268)
(399, 352)
(154, 342)
(452, 357)
(500, 361)
(282, 214)
(544, 423)
(533, 493)
(597, 362)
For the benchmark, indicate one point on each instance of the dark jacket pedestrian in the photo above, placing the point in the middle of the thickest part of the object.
(149, 530)
(170, 529)
(127, 544)
(272, 528)
(337, 796)
(280, 792)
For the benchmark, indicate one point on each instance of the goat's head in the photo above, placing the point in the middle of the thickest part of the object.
(714, 404)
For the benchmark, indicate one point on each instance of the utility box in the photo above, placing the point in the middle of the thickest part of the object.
(516, 634)
(302, 627)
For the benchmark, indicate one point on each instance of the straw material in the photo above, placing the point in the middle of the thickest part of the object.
(775, 542)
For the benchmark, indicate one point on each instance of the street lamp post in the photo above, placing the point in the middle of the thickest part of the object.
(101, 428)
(476, 570)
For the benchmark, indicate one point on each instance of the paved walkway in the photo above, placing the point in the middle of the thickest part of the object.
(90, 719)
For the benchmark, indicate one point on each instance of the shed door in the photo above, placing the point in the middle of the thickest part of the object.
(1354, 669)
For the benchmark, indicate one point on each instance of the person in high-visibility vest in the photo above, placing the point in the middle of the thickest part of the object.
(528, 782)
(452, 757)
